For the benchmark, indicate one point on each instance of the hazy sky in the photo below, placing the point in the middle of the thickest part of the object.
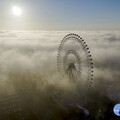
(61, 14)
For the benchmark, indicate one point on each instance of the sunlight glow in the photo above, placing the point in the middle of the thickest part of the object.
(17, 10)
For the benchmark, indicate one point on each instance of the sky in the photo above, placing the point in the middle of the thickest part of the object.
(60, 14)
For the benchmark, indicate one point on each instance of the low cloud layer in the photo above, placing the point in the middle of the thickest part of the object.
(28, 66)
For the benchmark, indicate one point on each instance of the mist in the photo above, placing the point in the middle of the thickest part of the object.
(31, 84)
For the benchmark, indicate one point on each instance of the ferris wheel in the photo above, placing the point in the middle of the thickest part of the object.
(74, 59)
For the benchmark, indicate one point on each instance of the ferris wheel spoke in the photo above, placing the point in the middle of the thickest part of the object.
(83, 54)
(85, 70)
(84, 61)
(83, 77)
(81, 51)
